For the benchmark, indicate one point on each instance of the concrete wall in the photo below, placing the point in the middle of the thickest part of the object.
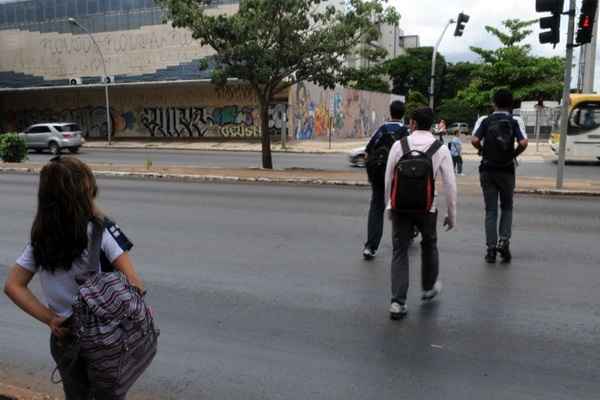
(349, 113)
(173, 111)
(135, 47)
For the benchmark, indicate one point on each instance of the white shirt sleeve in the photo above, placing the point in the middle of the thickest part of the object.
(521, 126)
(27, 261)
(110, 246)
(447, 172)
(393, 158)
(478, 125)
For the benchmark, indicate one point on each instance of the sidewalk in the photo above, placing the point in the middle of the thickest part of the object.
(338, 146)
(357, 178)
(8, 392)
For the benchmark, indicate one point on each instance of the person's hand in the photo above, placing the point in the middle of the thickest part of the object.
(56, 327)
(448, 223)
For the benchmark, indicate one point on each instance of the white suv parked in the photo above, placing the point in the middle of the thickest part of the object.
(54, 136)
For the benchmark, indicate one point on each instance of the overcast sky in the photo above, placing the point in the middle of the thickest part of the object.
(426, 18)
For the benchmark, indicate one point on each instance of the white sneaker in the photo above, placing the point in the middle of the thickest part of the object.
(368, 254)
(429, 295)
(398, 311)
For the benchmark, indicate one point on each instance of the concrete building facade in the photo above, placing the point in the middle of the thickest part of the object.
(50, 70)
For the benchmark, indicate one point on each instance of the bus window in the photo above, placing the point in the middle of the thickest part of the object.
(584, 118)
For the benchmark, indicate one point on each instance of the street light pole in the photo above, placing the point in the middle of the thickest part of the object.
(83, 28)
(433, 60)
(564, 117)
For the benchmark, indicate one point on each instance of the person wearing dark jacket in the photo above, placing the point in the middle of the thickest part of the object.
(381, 141)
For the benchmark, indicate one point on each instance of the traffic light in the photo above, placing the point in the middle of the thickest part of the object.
(460, 24)
(552, 22)
(587, 18)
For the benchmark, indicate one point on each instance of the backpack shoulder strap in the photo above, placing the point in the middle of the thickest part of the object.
(95, 246)
(405, 146)
(435, 146)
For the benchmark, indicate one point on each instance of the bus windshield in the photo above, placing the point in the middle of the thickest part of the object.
(585, 117)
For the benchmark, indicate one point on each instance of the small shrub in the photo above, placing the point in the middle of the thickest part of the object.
(12, 148)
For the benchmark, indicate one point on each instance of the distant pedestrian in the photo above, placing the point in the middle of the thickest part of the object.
(495, 136)
(413, 166)
(441, 129)
(377, 152)
(455, 146)
(70, 239)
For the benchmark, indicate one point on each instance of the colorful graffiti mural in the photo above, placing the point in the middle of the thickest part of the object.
(346, 113)
(161, 122)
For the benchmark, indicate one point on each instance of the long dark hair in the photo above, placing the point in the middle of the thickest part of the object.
(65, 208)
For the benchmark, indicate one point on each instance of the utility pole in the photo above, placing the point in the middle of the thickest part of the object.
(589, 68)
(564, 116)
(73, 21)
(460, 27)
(433, 61)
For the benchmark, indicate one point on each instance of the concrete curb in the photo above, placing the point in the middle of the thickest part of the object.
(275, 181)
(228, 150)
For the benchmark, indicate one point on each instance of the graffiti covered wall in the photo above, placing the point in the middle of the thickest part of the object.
(347, 113)
(191, 111)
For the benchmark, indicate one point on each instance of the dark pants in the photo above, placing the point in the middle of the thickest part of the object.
(403, 226)
(73, 372)
(376, 213)
(497, 186)
(458, 164)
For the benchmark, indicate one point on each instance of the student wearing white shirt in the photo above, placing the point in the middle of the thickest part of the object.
(403, 224)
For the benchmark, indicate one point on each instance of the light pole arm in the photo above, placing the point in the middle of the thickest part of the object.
(433, 62)
(108, 121)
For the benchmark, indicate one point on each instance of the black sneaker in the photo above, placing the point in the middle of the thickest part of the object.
(504, 250)
(490, 255)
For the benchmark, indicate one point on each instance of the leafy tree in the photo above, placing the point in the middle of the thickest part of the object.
(512, 66)
(455, 78)
(274, 44)
(412, 71)
(414, 100)
(369, 78)
(456, 110)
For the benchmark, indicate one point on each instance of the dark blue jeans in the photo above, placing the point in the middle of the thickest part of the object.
(497, 186)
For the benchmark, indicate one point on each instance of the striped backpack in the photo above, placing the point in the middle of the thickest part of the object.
(114, 328)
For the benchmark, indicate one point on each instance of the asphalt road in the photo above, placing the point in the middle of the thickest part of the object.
(261, 293)
(319, 161)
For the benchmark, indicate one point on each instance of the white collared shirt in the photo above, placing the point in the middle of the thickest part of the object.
(442, 164)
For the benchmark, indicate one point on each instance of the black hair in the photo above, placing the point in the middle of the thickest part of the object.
(397, 109)
(65, 208)
(503, 99)
(423, 117)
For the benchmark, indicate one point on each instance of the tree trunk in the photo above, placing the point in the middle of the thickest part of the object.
(267, 159)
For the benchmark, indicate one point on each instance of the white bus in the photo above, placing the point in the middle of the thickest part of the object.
(583, 134)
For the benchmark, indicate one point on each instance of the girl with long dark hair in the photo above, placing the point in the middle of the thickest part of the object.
(58, 252)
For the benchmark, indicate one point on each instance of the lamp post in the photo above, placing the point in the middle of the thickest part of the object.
(73, 21)
(433, 62)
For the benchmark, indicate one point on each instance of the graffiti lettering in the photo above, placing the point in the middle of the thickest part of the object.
(240, 131)
(230, 121)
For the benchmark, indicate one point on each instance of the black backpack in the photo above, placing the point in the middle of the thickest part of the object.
(499, 140)
(377, 158)
(413, 184)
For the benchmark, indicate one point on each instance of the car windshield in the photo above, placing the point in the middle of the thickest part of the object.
(67, 128)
